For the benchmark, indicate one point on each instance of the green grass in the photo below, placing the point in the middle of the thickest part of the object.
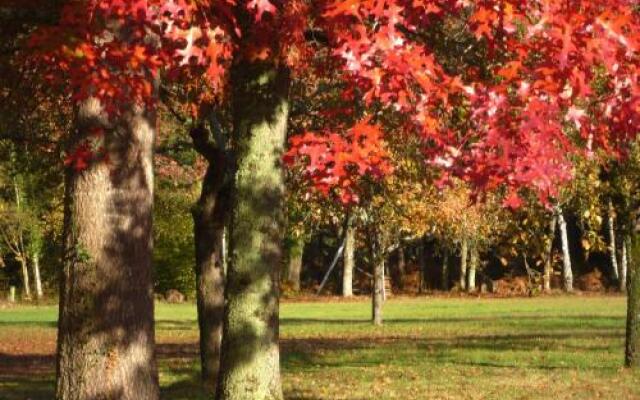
(429, 348)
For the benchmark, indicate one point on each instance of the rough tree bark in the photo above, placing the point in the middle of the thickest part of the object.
(612, 241)
(106, 339)
(464, 251)
(250, 362)
(548, 262)
(567, 273)
(349, 259)
(473, 266)
(210, 216)
(294, 269)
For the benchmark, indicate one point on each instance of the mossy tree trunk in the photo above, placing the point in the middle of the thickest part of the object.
(349, 259)
(249, 368)
(632, 345)
(106, 339)
(210, 216)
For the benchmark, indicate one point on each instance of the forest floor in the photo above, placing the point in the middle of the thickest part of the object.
(429, 348)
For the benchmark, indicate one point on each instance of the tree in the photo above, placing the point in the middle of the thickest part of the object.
(210, 218)
(541, 58)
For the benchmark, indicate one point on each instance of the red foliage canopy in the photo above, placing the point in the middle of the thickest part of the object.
(563, 74)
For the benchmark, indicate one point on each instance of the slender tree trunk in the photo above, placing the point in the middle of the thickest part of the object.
(612, 241)
(36, 275)
(422, 264)
(349, 259)
(548, 262)
(624, 263)
(378, 285)
(210, 216)
(632, 345)
(20, 247)
(567, 273)
(250, 363)
(296, 251)
(106, 339)
(26, 284)
(473, 266)
(444, 284)
(401, 268)
(464, 250)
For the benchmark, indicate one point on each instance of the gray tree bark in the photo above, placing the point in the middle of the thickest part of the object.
(548, 262)
(250, 362)
(349, 260)
(106, 344)
(567, 273)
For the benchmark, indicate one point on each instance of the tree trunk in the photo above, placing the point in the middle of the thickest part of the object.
(296, 251)
(548, 262)
(624, 263)
(464, 250)
(26, 284)
(632, 345)
(210, 216)
(444, 283)
(349, 259)
(20, 247)
(473, 266)
(400, 268)
(612, 241)
(12, 294)
(378, 286)
(567, 273)
(36, 275)
(250, 363)
(106, 344)
(422, 264)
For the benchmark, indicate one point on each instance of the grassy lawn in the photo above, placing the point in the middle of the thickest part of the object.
(429, 348)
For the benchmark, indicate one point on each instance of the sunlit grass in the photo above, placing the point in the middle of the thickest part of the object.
(534, 348)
